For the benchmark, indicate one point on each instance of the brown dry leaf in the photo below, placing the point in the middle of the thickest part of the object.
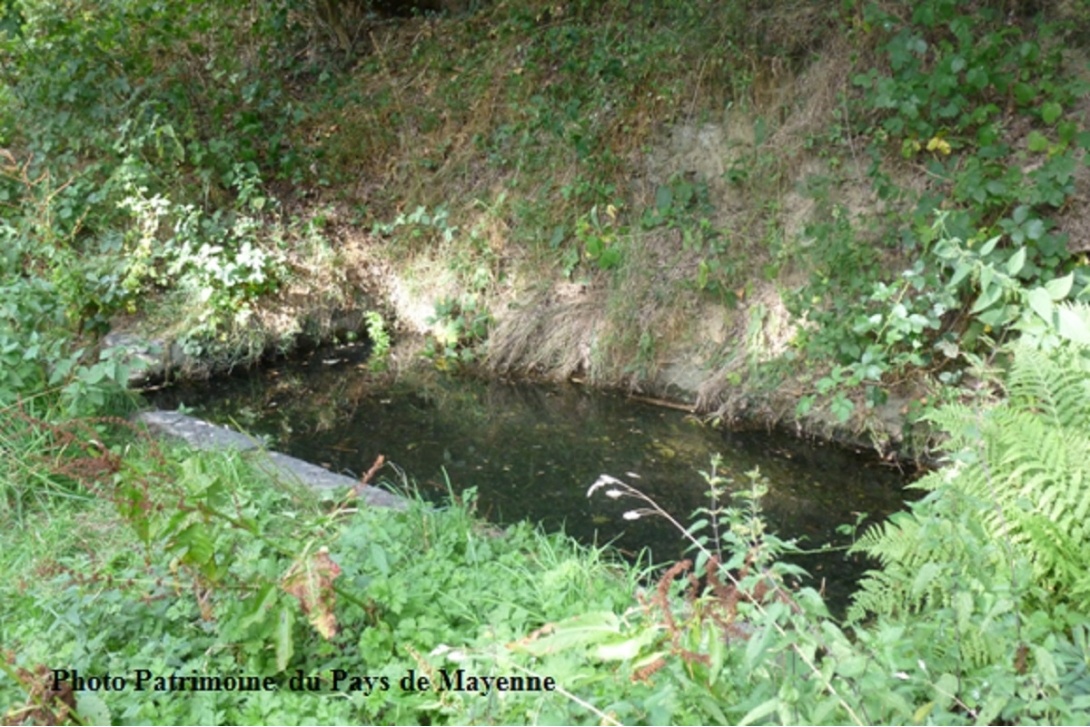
(310, 579)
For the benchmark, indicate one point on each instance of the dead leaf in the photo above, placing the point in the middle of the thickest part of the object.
(310, 579)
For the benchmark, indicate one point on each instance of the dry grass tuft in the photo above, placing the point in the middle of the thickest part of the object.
(552, 335)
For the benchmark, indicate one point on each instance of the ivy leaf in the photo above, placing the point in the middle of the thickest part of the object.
(1050, 112)
(1036, 141)
(842, 408)
(1035, 228)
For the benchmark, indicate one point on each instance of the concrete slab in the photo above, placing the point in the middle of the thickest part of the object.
(200, 434)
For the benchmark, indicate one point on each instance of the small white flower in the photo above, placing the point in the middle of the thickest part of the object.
(901, 675)
(632, 515)
(453, 654)
(613, 494)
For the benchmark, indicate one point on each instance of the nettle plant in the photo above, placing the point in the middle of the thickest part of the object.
(219, 258)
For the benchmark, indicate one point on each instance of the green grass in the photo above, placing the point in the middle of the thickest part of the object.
(195, 564)
(195, 584)
(493, 144)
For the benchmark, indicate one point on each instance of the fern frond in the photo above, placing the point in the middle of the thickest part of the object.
(1017, 490)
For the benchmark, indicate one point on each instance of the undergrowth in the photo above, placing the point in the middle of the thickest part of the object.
(148, 161)
(196, 564)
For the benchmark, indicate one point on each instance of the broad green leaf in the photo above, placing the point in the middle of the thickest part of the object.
(756, 648)
(987, 299)
(1035, 229)
(987, 247)
(946, 688)
(894, 702)
(804, 406)
(961, 270)
(200, 551)
(949, 349)
(698, 525)
(664, 198)
(626, 649)
(924, 577)
(823, 713)
(842, 408)
(1058, 288)
(259, 605)
(1045, 665)
(853, 666)
(580, 631)
(1017, 261)
(718, 650)
(1072, 326)
(378, 557)
(987, 275)
(998, 315)
(921, 714)
(993, 705)
(610, 258)
(1041, 302)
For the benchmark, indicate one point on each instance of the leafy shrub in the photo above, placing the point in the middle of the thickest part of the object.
(218, 259)
(950, 84)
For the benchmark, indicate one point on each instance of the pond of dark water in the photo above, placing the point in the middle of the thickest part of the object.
(532, 451)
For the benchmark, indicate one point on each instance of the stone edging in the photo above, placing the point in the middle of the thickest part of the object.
(200, 434)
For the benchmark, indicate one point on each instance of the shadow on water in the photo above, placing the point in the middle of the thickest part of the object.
(532, 451)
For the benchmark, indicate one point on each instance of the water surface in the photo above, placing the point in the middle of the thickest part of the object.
(532, 451)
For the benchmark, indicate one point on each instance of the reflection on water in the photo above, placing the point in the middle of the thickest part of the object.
(533, 450)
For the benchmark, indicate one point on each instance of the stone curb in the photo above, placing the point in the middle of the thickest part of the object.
(200, 434)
